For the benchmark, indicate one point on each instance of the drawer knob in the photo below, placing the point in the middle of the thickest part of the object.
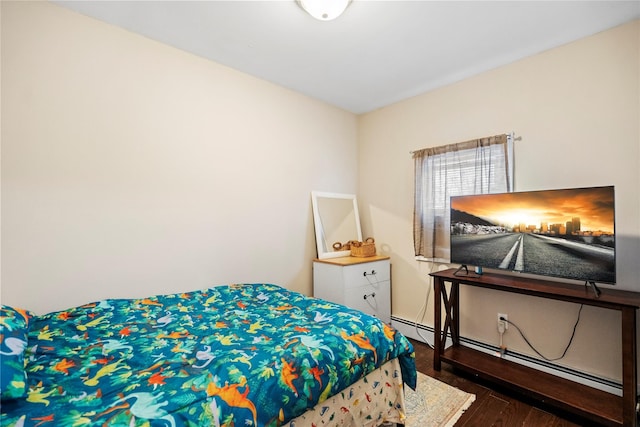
(373, 272)
(371, 295)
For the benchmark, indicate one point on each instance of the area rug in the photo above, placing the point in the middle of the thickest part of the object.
(434, 403)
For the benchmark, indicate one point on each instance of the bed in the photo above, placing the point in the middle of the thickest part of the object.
(234, 355)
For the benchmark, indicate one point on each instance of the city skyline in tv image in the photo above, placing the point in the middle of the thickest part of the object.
(568, 233)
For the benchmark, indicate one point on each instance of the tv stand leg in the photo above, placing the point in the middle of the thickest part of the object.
(629, 368)
(595, 288)
(464, 268)
(438, 285)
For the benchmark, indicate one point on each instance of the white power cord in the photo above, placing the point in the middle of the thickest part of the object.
(501, 329)
(423, 309)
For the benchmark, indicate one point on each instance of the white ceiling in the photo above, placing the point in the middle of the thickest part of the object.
(376, 53)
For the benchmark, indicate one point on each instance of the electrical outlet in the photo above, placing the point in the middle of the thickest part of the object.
(503, 324)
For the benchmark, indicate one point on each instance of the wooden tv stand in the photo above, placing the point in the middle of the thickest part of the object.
(590, 403)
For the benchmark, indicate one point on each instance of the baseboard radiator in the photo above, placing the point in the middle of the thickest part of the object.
(424, 333)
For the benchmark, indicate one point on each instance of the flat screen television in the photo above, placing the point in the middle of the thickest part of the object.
(566, 233)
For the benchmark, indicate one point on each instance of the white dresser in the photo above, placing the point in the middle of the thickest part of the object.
(360, 283)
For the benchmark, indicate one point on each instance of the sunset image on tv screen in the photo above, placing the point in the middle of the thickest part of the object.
(568, 233)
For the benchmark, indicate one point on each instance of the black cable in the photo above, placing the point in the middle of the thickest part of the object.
(540, 354)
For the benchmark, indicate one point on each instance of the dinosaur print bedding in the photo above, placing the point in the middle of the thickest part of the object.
(236, 355)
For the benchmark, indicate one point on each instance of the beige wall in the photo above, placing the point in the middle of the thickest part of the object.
(130, 167)
(577, 111)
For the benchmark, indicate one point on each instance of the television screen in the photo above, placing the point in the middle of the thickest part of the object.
(566, 233)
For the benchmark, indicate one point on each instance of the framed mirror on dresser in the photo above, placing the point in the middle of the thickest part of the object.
(336, 220)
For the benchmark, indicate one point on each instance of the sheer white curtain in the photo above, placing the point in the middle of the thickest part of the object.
(474, 167)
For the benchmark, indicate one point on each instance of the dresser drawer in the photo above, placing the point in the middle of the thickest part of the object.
(366, 273)
(373, 300)
(348, 280)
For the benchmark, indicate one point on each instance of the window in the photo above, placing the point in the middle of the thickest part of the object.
(473, 167)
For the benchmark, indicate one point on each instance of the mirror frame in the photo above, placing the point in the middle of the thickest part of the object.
(317, 221)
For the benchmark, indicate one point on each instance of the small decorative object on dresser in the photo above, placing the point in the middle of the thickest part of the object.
(364, 249)
(358, 282)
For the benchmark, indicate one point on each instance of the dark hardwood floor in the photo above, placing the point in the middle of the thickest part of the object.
(493, 406)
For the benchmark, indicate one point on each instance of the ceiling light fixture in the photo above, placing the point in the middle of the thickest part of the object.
(324, 10)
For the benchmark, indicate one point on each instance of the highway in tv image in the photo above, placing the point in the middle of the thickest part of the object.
(559, 233)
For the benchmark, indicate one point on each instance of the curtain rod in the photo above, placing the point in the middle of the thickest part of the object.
(509, 135)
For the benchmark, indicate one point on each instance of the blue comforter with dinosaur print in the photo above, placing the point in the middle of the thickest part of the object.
(243, 355)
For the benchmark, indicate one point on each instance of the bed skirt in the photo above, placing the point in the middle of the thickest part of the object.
(372, 401)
